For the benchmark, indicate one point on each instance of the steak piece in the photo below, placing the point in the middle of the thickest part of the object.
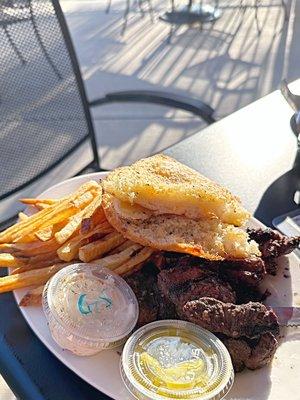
(272, 243)
(249, 353)
(239, 351)
(271, 266)
(179, 275)
(263, 352)
(153, 305)
(180, 285)
(245, 294)
(170, 260)
(249, 271)
(143, 285)
(250, 319)
(207, 287)
(166, 309)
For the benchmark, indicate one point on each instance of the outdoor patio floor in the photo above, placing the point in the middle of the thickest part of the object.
(227, 65)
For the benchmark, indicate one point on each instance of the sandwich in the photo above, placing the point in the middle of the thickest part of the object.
(161, 203)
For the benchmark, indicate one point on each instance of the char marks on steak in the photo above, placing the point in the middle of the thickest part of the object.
(252, 354)
(180, 285)
(250, 320)
(250, 271)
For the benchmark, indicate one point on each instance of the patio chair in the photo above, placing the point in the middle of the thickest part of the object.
(127, 9)
(45, 113)
(19, 11)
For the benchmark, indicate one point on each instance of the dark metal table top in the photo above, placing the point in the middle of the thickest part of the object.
(252, 152)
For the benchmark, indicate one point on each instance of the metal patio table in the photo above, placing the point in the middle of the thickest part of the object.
(252, 152)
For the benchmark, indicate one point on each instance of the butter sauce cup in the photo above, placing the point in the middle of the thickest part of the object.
(89, 309)
(172, 359)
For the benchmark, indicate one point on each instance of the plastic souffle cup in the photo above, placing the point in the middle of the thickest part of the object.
(89, 308)
(172, 359)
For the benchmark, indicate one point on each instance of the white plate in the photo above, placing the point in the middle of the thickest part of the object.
(278, 381)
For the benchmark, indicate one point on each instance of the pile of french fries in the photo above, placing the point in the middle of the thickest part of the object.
(60, 232)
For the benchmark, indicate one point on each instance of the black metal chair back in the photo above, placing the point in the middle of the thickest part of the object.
(44, 114)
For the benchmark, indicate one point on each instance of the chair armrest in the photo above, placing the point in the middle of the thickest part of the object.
(196, 107)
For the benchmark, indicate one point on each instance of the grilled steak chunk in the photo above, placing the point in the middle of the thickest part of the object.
(168, 259)
(273, 244)
(239, 351)
(250, 320)
(180, 285)
(249, 271)
(143, 285)
(271, 266)
(263, 352)
(153, 305)
(251, 354)
(207, 287)
(166, 309)
(175, 276)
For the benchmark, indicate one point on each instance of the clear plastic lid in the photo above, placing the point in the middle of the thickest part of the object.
(176, 360)
(91, 305)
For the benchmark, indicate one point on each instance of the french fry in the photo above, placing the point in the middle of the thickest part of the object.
(87, 224)
(35, 221)
(116, 260)
(69, 250)
(45, 233)
(22, 216)
(99, 247)
(33, 202)
(41, 206)
(139, 258)
(35, 264)
(9, 261)
(122, 247)
(136, 268)
(29, 278)
(42, 257)
(83, 200)
(33, 297)
(7, 248)
(67, 231)
(42, 224)
(34, 248)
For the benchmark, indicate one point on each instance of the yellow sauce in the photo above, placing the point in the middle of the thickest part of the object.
(182, 375)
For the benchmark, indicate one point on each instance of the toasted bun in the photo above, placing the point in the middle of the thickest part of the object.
(165, 186)
(209, 239)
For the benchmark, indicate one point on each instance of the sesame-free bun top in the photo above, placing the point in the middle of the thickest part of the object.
(163, 185)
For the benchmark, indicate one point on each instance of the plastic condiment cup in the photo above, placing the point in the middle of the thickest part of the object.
(173, 359)
(89, 308)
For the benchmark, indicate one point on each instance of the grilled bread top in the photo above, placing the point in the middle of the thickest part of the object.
(165, 186)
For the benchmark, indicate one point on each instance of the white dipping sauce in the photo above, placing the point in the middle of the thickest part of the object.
(89, 309)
